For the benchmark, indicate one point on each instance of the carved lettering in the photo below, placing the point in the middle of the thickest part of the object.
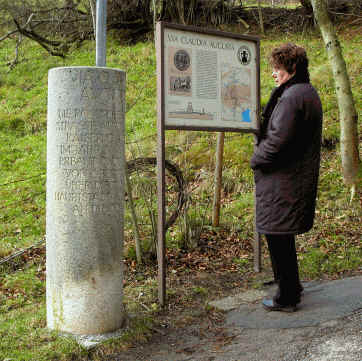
(78, 148)
(99, 186)
(88, 132)
(82, 210)
(87, 162)
(75, 197)
(100, 174)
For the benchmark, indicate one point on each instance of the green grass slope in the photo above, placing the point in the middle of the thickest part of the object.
(331, 249)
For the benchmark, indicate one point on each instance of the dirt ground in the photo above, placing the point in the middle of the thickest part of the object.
(215, 338)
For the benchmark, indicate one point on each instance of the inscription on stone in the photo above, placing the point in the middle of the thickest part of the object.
(84, 145)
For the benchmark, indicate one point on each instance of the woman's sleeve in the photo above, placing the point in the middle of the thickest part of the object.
(280, 135)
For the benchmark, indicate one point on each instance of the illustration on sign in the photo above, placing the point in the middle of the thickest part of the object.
(180, 72)
(244, 55)
(181, 60)
(191, 113)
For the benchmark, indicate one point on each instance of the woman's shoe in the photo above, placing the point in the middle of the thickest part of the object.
(271, 305)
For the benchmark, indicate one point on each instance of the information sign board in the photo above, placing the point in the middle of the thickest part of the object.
(209, 79)
(206, 80)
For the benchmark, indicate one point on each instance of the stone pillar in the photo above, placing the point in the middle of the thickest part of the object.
(85, 196)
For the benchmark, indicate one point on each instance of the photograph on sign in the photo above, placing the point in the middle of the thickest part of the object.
(209, 80)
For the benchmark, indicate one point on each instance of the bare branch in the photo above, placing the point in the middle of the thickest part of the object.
(29, 20)
(34, 36)
(45, 11)
(15, 61)
(8, 35)
(43, 42)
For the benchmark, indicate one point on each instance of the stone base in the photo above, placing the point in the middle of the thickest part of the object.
(90, 341)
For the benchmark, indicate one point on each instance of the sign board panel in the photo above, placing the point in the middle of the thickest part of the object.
(209, 79)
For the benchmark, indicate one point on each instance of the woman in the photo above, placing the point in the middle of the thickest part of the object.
(286, 168)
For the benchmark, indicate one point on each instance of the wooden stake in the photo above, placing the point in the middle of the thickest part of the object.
(218, 179)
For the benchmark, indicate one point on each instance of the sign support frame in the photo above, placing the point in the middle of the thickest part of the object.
(161, 215)
(161, 128)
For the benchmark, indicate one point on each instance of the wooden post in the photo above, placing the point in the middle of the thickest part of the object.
(218, 179)
(161, 206)
(257, 236)
(257, 247)
(133, 216)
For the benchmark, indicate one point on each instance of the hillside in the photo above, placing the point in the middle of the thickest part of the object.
(222, 256)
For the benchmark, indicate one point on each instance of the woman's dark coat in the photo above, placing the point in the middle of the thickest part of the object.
(286, 163)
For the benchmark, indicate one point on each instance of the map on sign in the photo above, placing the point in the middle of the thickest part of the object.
(210, 79)
(236, 94)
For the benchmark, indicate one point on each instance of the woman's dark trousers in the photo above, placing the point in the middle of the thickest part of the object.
(283, 256)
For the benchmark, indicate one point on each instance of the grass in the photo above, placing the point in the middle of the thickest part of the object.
(268, 3)
(212, 267)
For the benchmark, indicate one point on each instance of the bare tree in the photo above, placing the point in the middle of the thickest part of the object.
(348, 116)
(54, 25)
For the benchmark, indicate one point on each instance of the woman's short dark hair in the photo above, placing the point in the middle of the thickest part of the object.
(292, 58)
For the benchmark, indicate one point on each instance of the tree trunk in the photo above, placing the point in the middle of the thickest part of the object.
(347, 111)
(306, 4)
(260, 17)
(93, 12)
